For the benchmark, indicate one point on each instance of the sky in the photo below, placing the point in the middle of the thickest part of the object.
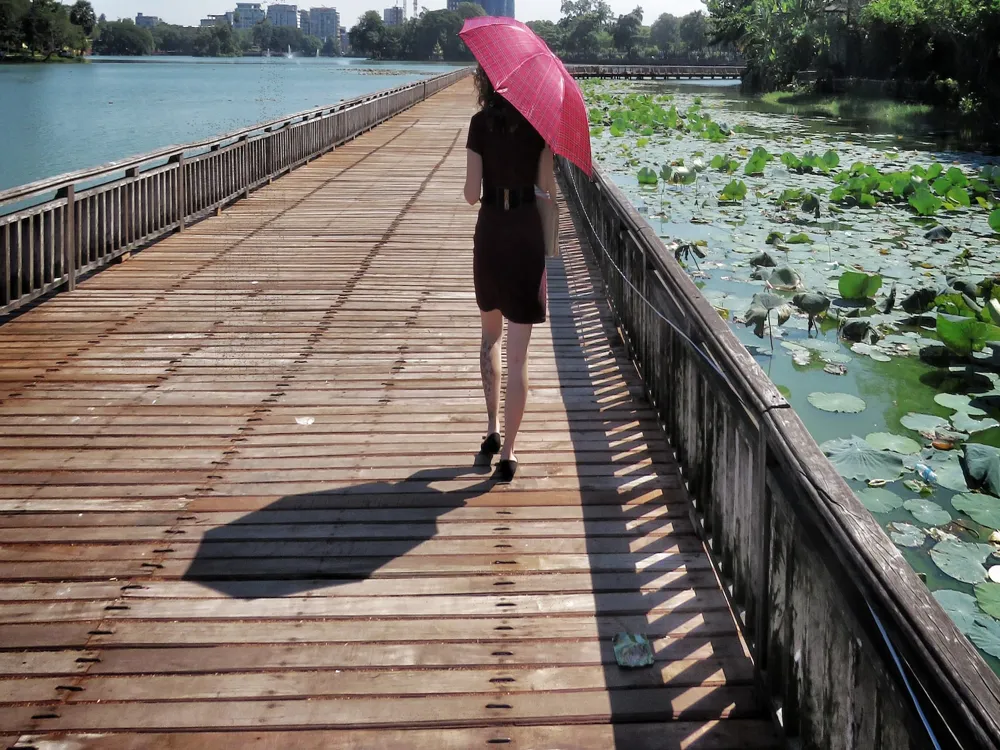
(189, 12)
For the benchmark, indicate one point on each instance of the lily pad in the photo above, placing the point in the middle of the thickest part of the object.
(963, 561)
(871, 351)
(886, 441)
(959, 606)
(923, 422)
(879, 500)
(799, 239)
(784, 278)
(965, 335)
(982, 509)
(994, 220)
(858, 285)
(856, 458)
(958, 402)
(964, 423)
(837, 402)
(928, 512)
(988, 596)
(906, 534)
(983, 465)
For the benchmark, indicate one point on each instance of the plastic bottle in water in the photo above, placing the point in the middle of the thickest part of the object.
(925, 472)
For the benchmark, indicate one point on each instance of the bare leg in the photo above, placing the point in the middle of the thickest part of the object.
(518, 338)
(490, 366)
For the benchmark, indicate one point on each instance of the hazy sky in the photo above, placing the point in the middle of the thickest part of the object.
(188, 12)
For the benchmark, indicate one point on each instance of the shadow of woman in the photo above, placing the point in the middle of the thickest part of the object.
(311, 541)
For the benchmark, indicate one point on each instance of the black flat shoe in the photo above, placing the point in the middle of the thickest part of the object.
(506, 469)
(491, 445)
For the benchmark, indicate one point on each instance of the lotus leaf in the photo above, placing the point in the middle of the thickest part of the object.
(831, 159)
(837, 402)
(799, 239)
(982, 462)
(994, 220)
(774, 238)
(965, 335)
(923, 422)
(919, 301)
(962, 561)
(784, 278)
(928, 512)
(858, 285)
(957, 177)
(871, 351)
(925, 203)
(855, 458)
(941, 186)
(949, 470)
(934, 171)
(733, 192)
(961, 607)
(811, 303)
(888, 442)
(879, 500)
(763, 260)
(855, 329)
(958, 402)
(959, 196)
(982, 509)
(988, 596)
(647, 176)
(906, 534)
(964, 423)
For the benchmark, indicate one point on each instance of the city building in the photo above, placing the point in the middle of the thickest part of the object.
(305, 22)
(345, 41)
(324, 22)
(453, 4)
(394, 16)
(498, 7)
(283, 15)
(248, 15)
(215, 20)
(146, 22)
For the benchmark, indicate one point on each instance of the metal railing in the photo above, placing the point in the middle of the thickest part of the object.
(54, 231)
(850, 648)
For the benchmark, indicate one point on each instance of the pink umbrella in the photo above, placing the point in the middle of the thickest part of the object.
(527, 74)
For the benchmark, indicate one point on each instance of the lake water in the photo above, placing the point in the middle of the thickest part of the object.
(60, 118)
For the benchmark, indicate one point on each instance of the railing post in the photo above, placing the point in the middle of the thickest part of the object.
(180, 191)
(134, 208)
(69, 229)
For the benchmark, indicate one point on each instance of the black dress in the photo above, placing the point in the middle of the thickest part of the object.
(509, 245)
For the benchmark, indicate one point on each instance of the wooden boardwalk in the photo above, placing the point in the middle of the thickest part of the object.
(239, 495)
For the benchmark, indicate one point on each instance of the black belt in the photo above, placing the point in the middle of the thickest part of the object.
(508, 198)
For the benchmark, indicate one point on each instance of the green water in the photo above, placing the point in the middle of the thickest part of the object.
(888, 240)
(60, 118)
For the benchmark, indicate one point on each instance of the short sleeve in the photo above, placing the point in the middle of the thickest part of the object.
(475, 140)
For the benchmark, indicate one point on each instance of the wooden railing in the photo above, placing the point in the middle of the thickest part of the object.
(655, 71)
(54, 231)
(849, 646)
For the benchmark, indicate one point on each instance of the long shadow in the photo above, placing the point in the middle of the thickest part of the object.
(650, 572)
(311, 541)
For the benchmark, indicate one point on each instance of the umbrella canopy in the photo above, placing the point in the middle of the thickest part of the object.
(526, 73)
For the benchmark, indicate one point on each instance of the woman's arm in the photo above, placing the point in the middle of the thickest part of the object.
(546, 173)
(473, 177)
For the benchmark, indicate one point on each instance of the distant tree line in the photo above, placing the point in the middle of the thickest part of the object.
(221, 40)
(43, 28)
(587, 32)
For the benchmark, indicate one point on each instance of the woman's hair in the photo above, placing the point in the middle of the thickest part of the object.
(500, 114)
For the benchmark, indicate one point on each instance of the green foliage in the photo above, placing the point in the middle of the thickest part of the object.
(758, 160)
(735, 191)
(647, 176)
(965, 335)
(123, 38)
(924, 202)
(858, 285)
(994, 221)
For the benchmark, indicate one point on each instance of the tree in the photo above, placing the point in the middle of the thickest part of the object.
(82, 15)
(12, 13)
(549, 32)
(123, 38)
(665, 33)
(310, 45)
(331, 47)
(366, 35)
(47, 28)
(627, 30)
(470, 10)
(693, 30)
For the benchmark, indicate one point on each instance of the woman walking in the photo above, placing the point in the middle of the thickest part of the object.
(506, 159)
(530, 108)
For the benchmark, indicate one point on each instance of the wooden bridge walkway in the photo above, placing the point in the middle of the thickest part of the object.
(238, 495)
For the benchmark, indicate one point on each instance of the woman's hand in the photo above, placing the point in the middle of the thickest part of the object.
(546, 179)
(473, 177)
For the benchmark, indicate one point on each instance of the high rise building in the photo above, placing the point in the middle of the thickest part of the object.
(146, 22)
(324, 22)
(305, 22)
(215, 20)
(283, 15)
(394, 16)
(345, 40)
(498, 7)
(453, 4)
(247, 15)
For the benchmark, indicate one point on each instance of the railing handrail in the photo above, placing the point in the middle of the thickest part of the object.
(953, 688)
(57, 182)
